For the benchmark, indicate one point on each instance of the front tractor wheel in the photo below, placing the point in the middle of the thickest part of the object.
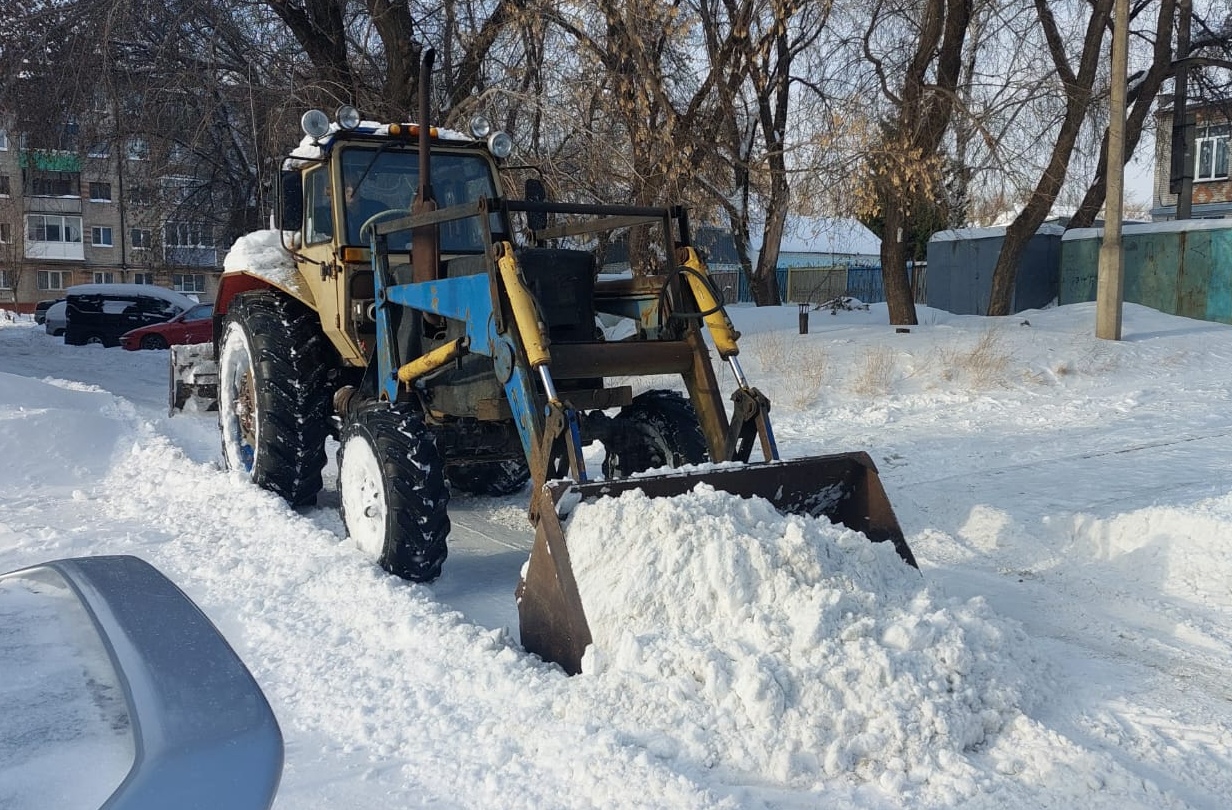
(273, 397)
(391, 478)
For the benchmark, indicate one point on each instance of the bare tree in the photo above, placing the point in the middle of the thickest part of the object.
(651, 107)
(1076, 85)
(905, 167)
(1210, 48)
(758, 127)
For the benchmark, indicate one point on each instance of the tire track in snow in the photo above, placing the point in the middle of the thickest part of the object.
(360, 665)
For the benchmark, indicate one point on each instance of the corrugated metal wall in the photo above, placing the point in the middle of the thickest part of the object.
(1180, 272)
(817, 285)
(961, 269)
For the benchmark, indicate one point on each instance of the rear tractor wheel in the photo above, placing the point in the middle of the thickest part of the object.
(658, 429)
(492, 478)
(394, 498)
(273, 397)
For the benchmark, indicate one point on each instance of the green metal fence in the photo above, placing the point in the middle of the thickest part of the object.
(1179, 268)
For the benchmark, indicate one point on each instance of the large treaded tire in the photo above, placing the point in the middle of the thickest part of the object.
(491, 478)
(393, 493)
(273, 396)
(658, 429)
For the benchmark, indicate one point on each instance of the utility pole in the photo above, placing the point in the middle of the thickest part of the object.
(1180, 182)
(1109, 291)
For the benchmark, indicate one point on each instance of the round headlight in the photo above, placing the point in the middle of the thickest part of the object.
(347, 117)
(481, 127)
(500, 144)
(315, 124)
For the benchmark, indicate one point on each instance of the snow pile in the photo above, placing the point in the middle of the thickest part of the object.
(76, 423)
(261, 253)
(789, 647)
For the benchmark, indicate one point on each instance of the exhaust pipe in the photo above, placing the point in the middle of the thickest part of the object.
(425, 242)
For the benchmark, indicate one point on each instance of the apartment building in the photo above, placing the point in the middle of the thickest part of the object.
(1212, 185)
(99, 214)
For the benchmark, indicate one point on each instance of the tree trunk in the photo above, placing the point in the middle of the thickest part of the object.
(899, 299)
(319, 28)
(400, 99)
(913, 139)
(764, 284)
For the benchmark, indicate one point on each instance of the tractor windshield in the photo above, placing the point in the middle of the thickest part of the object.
(376, 180)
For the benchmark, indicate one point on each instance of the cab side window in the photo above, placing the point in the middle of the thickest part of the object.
(320, 219)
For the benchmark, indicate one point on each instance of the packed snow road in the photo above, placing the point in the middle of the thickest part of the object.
(1065, 645)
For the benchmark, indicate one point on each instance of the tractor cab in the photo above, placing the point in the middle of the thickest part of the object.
(348, 175)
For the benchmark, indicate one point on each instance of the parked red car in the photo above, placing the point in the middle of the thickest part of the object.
(194, 325)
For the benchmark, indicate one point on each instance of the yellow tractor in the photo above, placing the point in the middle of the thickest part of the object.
(441, 332)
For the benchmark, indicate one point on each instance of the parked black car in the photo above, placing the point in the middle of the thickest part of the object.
(100, 313)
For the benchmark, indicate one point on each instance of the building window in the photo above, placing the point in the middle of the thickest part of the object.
(52, 279)
(53, 184)
(51, 236)
(143, 278)
(104, 277)
(141, 195)
(4, 280)
(4, 185)
(140, 238)
(53, 228)
(100, 236)
(102, 149)
(186, 234)
(1211, 147)
(6, 233)
(4, 140)
(188, 284)
(100, 192)
(137, 149)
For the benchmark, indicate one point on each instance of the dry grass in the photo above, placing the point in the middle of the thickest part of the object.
(876, 376)
(770, 349)
(809, 368)
(802, 367)
(1092, 360)
(982, 366)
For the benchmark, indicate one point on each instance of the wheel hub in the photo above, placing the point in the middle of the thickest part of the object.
(363, 497)
(238, 402)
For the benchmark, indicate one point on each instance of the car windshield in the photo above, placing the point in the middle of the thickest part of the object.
(199, 312)
(378, 180)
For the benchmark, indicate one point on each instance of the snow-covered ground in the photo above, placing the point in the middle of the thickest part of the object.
(1065, 644)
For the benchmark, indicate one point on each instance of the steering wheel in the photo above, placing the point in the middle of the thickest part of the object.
(389, 213)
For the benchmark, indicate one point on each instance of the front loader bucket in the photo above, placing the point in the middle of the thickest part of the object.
(844, 488)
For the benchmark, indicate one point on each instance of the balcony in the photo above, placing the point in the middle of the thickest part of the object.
(55, 251)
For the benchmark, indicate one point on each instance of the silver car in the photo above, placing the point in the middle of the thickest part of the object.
(109, 671)
(56, 320)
